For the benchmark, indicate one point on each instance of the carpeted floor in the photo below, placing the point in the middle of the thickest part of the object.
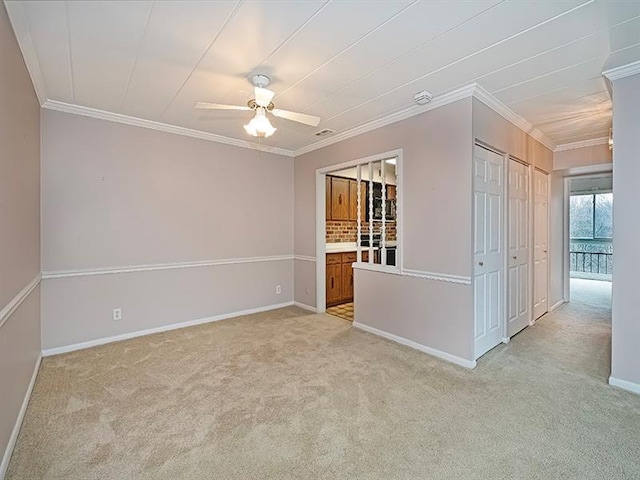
(284, 395)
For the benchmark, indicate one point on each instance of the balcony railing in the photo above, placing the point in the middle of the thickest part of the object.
(591, 262)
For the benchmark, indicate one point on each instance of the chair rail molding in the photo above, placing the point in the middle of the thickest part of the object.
(162, 266)
(13, 305)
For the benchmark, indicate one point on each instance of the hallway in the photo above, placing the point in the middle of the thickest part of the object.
(575, 339)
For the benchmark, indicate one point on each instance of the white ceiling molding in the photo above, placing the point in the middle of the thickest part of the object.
(162, 127)
(501, 109)
(439, 101)
(472, 90)
(622, 71)
(20, 24)
(583, 144)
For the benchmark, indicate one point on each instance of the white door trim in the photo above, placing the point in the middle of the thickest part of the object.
(587, 172)
(548, 239)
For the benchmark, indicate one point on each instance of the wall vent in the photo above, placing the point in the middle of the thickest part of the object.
(325, 132)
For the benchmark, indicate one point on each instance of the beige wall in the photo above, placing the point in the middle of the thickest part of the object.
(582, 157)
(436, 195)
(19, 230)
(496, 131)
(117, 196)
(625, 342)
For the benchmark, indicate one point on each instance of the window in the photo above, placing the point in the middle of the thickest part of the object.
(591, 216)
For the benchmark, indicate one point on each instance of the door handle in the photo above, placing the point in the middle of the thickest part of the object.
(544, 251)
(339, 199)
(481, 263)
(515, 258)
(331, 282)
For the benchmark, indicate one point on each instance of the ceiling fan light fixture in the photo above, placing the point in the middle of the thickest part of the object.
(260, 126)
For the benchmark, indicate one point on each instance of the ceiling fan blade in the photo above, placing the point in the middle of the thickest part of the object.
(263, 96)
(219, 106)
(297, 117)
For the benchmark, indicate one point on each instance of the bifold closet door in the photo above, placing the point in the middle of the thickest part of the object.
(540, 243)
(488, 188)
(518, 303)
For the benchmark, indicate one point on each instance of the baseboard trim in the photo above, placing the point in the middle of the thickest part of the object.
(306, 307)
(625, 385)
(164, 328)
(417, 346)
(556, 306)
(16, 428)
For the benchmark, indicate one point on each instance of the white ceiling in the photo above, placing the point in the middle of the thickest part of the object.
(349, 62)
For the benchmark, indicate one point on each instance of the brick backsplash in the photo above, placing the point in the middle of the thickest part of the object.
(346, 231)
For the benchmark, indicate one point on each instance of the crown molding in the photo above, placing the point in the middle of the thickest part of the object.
(582, 144)
(18, 19)
(439, 101)
(472, 90)
(500, 108)
(622, 71)
(162, 127)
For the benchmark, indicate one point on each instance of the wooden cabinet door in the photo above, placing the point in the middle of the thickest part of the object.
(353, 200)
(328, 197)
(391, 192)
(339, 199)
(347, 282)
(334, 285)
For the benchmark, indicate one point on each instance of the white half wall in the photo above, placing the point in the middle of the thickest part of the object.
(430, 313)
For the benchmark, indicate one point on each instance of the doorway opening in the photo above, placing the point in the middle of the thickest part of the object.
(591, 237)
(357, 223)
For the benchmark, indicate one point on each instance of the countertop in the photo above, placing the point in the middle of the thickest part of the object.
(350, 246)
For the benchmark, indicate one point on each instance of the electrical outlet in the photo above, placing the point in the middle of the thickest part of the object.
(117, 314)
(278, 289)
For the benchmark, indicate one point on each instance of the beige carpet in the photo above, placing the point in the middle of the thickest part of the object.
(282, 395)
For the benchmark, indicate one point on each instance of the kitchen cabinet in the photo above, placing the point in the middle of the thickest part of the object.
(391, 192)
(342, 199)
(340, 276)
(339, 198)
(334, 284)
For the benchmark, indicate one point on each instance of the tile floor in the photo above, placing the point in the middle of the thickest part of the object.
(344, 311)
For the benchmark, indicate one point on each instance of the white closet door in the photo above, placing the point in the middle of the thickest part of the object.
(519, 311)
(488, 188)
(540, 243)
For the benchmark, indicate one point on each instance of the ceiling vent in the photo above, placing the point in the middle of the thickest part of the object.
(325, 132)
(423, 97)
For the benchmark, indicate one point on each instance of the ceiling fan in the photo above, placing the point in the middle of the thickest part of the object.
(259, 125)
